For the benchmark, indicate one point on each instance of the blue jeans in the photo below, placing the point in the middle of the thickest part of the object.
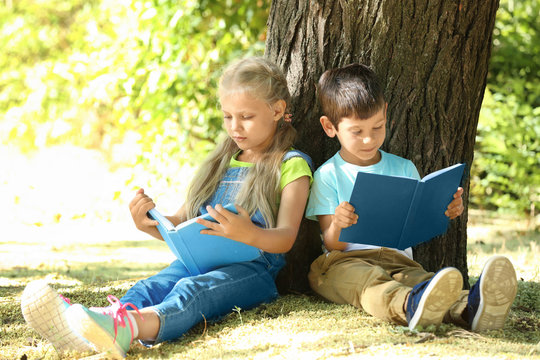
(181, 300)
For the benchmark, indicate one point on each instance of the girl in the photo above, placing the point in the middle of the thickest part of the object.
(255, 169)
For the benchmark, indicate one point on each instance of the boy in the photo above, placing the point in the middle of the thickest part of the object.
(385, 282)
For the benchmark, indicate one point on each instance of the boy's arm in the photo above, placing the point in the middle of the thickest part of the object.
(331, 225)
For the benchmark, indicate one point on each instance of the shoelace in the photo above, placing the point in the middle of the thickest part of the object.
(118, 311)
(65, 299)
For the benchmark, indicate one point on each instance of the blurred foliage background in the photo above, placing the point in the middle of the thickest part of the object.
(136, 80)
(506, 169)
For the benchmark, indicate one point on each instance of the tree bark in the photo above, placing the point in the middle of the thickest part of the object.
(432, 58)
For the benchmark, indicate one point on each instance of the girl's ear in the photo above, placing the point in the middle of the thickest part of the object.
(279, 109)
(327, 126)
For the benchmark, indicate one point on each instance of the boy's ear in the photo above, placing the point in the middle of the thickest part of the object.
(327, 126)
(279, 109)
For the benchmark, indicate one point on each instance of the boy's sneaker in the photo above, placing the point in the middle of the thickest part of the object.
(490, 298)
(110, 329)
(44, 310)
(429, 301)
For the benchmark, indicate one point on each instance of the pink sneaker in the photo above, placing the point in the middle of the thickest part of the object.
(106, 327)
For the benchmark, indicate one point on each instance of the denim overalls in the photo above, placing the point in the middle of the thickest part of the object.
(181, 300)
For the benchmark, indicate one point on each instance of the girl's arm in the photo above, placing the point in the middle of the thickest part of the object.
(179, 217)
(275, 240)
(139, 207)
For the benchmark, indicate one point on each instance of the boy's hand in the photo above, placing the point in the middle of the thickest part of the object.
(230, 225)
(455, 208)
(138, 207)
(344, 216)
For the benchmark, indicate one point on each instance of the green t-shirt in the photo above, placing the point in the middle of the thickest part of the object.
(291, 169)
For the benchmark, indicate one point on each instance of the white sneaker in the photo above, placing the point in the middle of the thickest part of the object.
(43, 309)
(430, 300)
(490, 298)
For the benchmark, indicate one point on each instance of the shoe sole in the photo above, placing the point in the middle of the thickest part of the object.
(83, 323)
(43, 310)
(443, 291)
(498, 288)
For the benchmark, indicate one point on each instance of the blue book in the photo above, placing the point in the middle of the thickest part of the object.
(201, 253)
(400, 212)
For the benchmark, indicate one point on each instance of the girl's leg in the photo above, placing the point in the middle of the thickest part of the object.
(153, 290)
(210, 296)
(192, 299)
(148, 324)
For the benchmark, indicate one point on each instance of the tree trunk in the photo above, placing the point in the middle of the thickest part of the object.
(432, 58)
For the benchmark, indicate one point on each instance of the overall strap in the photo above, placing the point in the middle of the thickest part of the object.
(297, 153)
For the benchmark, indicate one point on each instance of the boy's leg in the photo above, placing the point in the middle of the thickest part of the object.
(429, 301)
(456, 311)
(410, 273)
(355, 278)
(366, 279)
(403, 269)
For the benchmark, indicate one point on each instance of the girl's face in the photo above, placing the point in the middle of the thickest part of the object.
(250, 122)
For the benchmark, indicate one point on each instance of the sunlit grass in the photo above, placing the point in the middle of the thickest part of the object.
(516, 238)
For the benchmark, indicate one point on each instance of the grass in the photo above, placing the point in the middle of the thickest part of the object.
(86, 268)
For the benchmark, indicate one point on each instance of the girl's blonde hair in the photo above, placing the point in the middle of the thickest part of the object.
(261, 79)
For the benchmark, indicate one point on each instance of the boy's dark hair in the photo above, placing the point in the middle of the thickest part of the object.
(352, 90)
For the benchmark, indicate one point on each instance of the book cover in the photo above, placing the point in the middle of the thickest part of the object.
(400, 212)
(201, 253)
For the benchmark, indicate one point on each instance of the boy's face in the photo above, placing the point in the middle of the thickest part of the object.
(360, 139)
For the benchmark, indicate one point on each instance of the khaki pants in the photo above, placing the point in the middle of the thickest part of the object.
(375, 280)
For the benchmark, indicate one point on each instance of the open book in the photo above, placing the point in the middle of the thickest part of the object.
(400, 212)
(201, 253)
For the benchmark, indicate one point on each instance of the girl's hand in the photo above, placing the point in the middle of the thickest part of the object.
(138, 207)
(344, 216)
(455, 208)
(230, 225)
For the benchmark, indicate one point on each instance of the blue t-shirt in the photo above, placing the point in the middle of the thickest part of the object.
(333, 183)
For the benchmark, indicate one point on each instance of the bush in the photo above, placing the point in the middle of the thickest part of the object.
(136, 79)
(506, 170)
